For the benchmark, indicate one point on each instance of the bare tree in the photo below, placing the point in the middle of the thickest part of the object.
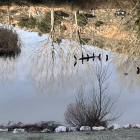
(95, 108)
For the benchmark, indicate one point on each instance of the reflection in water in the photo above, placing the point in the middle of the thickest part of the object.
(7, 69)
(59, 72)
(127, 71)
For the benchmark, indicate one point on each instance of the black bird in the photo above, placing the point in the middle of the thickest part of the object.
(138, 70)
(93, 55)
(99, 57)
(75, 63)
(75, 57)
(126, 74)
(82, 55)
(106, 57)
(82, 61)
(88, 57)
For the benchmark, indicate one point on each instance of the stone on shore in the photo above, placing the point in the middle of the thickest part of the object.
(98, 128)
(138, 125)
(85, 128)
(61, 129)
(4, 130)
(127, 126)
(18, 130)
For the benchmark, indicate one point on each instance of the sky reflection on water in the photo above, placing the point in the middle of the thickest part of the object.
(33, 87)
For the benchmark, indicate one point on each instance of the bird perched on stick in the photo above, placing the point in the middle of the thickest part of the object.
(106, 57)
(75, 57)
(138, 70)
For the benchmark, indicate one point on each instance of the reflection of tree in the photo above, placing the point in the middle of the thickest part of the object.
(126, 67)
(53, 64)
(58, 72)
(7, 69)
(96, 108)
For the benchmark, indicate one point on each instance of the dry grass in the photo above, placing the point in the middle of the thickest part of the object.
(9, 42)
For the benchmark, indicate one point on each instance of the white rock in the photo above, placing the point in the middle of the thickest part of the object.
(98, 128)
(72, 129)
(85, 128)
(138, 125)
(3, 130)
(46, 130)
(116, 126)
(127, 126)
(61, 129)
(18, 130)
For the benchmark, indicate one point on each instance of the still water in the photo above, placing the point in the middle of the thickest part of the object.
(38, 85)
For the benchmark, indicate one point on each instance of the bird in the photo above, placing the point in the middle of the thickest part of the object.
(106, 57)
(82, 55)
(75, 57)
(75, 60)
(99, 57)
(138, 70)
(126, 74)
(88, 57)
(93, 55)
(75, 63)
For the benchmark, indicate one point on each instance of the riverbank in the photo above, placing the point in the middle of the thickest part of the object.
(115, 34)
(132, 134)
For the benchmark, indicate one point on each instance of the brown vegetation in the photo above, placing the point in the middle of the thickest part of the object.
(80, 4)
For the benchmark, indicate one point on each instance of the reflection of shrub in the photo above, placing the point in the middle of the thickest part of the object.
(40, 34)
(58, 40)
(98, 23)
(137, 22)
(45, 25)
(9, 42)
(63, 28)
(84, 41)
(81, 20)
(27, 22)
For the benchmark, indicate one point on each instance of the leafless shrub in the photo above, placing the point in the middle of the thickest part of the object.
(96, 108)
(9, 42)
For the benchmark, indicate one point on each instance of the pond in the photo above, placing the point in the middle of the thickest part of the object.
(38, 84)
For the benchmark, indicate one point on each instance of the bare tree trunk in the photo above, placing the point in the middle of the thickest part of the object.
(29, 12)
(76, 24)
(71, 19)
(52, 20)
(8, 13)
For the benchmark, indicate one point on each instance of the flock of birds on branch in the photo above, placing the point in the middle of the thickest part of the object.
(89, 57)
(99, 57)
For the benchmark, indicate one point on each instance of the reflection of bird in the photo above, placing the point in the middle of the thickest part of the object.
(93, 55)
(106, 57)
(82, 55)
(138, 70)
(99, 57)
(75, 60)
(75, 63)
(88, 57)
(75, 57)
